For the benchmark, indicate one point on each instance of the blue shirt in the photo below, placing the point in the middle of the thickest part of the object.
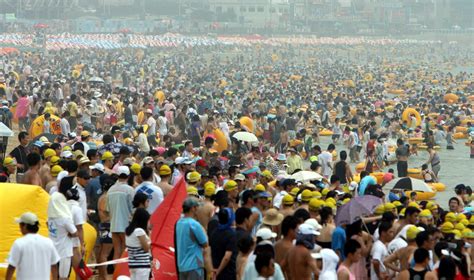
(338, 241)
(259, 220)
(366, 181)
(190, 237)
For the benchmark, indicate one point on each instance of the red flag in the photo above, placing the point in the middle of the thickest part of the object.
(163, 223)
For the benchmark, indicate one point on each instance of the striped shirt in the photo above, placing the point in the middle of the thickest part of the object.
(137, 257)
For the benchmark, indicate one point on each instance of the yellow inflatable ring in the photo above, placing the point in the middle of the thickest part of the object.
(415, 173)
(439, 187)
(422, 195)
(451, 97)
(459, 135)
(411, 111)
(414, 140)
(356, 178)
(425, 147)
(247, 122)
(462, 129)
(221, 142)
(360, 167)
(465, 121)
(325, 132)
(36, 127)
(378, 176)
(396, 91)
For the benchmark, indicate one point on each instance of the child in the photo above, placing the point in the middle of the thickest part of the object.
(428, 175)
(414, 149)
(138, 245)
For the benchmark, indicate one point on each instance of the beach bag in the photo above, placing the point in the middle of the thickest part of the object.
(83, 271)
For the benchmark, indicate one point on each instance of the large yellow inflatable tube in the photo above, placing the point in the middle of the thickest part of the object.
(459, 135)
(325, 132)
(425, 147)
(221, 142)
(439, 187)
(17, 199)
(378, 176)
(415, 173)
(410, 111)
(422, 195)
(36, 127)
(247, 122)
(396, 91)
(417, 141)
(461, 129)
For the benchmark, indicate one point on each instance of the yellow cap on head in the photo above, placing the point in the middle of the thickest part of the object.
(447, 227)
(389, 206)
(346, 200)
(294, 191)
(457, 234)
(259, 188)
(379, 210)
(397, 203)
(267, 174)
(450, 217)
(460, 217)
(192, 191)
(316, 194)
(431, 206)
(412, 232)
(49, 153)
(209, 189)
(306, 195)
(230, 185)
(315, 204)
(135, 167)
(55, 170)
(9, 161)
(465, 222)
(413, 204)
(402, 212)
(288, 200)
(107, 156)
(54, 160)
(425, 214)
(459, 226)
(164, 170)
(325, 191)
(193, 177)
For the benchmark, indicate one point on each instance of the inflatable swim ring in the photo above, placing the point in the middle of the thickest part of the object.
(356, 178)
(221, 141)
(465, 121)
(459, 135)
(425, 147)
(451, 97)
(378, 176)
(462, 129)
(247, 122)
(36, 127)
(415, 173)
(422, 195)
(417, 141)
(439, 187)
(360, 167)
(411, 111)
(325, 132)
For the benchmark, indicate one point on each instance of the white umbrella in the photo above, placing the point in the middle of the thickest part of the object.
(95, 80)
(306, 176)
(245, 136)
(408, 184)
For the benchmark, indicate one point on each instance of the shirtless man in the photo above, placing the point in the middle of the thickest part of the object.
(288, 231)
(165, 175)
(207, 210)
(32, 176)
(403, 255)
(299, 264)
(286, 208)
(45, 170)
(105, 236)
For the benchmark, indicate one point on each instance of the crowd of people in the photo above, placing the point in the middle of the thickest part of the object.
(109, 134)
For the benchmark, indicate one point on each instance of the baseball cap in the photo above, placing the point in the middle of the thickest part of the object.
(316, 194)
(189, 203)
(281, 157)
(379, 210)
(193, 177)
(239, 177)
(413, 231)
(28, 218)
(267, 174)
(78, 153)
(49, 153)
(447, 227)
(259, 188)
(107, 156)
(147, 160)
(431, 206)
(262, 195)
(9, 161)
(315, 204)
(201, 163)
(307, 229)
(84, 160)
(54, 160)
(55, 170)
(230, 185)
(123, 170)
(98, 166)
(288, 200)
(165, 170)
(135, 168)
(425, 214)
(192, 191)
(389, 206)
(450, 217)
(294, 191)
(209, 189)
(265, 234)
(85, 133)
(314, 223)
(306, 195)
(66, 154)
(325, 191)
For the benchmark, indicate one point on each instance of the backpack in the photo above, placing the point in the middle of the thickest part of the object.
(5, 117)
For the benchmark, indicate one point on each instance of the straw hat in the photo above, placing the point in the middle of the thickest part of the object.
(272, 217)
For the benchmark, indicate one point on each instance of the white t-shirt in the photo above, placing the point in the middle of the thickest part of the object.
(33, 255)
(379, 252)
(325, 159)
(82, 200)
(132, 240)
(59, 230)
(155, 195)
(278, 199)
(151, 122)
(77, 219)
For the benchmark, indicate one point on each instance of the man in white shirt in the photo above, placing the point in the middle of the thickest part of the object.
(380, 252)
(82, 179)
(32, 256)
(64, 123)
(155, 194)
(325, 159)
(151, 122)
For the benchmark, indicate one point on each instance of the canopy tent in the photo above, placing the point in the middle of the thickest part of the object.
(5, 131)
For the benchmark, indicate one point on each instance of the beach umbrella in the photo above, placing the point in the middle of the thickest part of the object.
(40, 26)
(245, 136)
(408, 184)
(356, 208)
(95, 80)
(8, 50)
(306, 176)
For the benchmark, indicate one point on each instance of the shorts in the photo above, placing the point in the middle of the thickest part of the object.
(105, 236)
(64, 267)
(140, 273)
(196, 274)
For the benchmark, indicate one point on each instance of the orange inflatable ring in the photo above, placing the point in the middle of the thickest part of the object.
(325, 132)
(451, 97)
(411, 111)
(459, 135)
(465, 121)
(378, 176)
(462, 129)
(425, 147)
(221, 141)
